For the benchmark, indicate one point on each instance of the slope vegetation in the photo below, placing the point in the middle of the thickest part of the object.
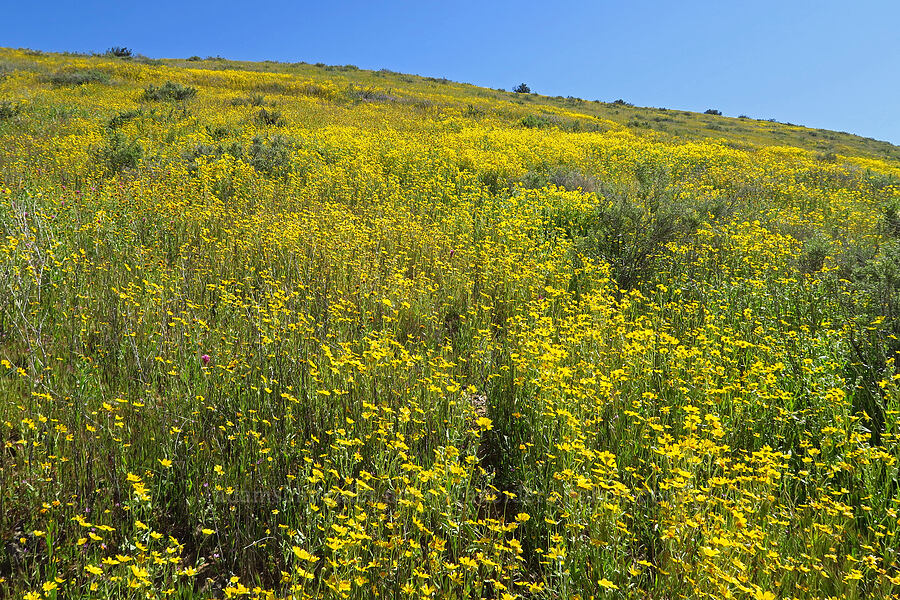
(301, 331)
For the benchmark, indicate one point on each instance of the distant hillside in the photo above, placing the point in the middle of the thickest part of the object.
(574, 114)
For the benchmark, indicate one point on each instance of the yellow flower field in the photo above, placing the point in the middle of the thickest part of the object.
(287, 331)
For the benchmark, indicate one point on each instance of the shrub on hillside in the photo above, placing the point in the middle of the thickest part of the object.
(564, 177)
(270, 118)
(168, 92)
(9, 109)
(536, 121)
(522, 89)
(77, 77)
(211, 151)
(216, 132)
(271, 156)
(119, 153)
(712, 111)
(123, 117)
(119, 52)
(891, 221)
(473, 111)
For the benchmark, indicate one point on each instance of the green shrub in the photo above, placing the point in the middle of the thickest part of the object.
(815, 250)
(522, 88)
(891, 221)
(341, 68)
(212, 151)
(123, 117)
(627, 231)
(564, 177)
(270, 117)
(77, 77)
(268, 155)
(119, 52)
(536, 121)
(572, 180)
(9, 109)
(872, 313)
(216, 132)
(473, 111)
(271, 156)
(120, 153)
(712, 111)
(368, 95)
(168, 92)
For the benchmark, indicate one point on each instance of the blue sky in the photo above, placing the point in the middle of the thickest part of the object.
(828, 64)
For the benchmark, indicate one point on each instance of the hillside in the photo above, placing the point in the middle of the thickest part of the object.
(294, 331)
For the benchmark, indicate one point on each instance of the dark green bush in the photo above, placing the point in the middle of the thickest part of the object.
(522, 88)
(812, 259)
(341, 68)
(564, 177)
(368, 95)
(168, 92)
(212, 151)
(271, 87)
(712, 111)
(473, 111)
(120, 153)
(78, 77)
(872, 314)
(629, 231)
(271, 156)
(891, 221)
(216, 132)
(119, 52)
(536, 121)
(9, 109)
(572, 180)
(270, 118)
(123, 117)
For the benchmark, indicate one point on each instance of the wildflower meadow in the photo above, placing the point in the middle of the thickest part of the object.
(299, 331)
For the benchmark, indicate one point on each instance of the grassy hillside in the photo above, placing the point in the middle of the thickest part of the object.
(287, 331)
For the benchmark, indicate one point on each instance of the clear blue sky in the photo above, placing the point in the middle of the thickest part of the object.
(820, 63)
